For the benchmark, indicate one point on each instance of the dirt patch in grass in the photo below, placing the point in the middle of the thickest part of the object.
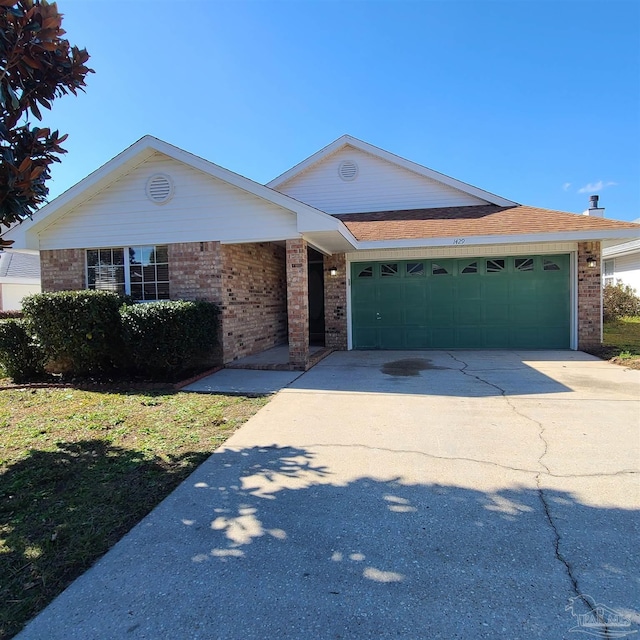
(78, 469)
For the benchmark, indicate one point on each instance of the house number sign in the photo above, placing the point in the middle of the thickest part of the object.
(458, 241)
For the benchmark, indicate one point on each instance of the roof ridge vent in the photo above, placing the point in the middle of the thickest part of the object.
(348, 170)
(159, 188)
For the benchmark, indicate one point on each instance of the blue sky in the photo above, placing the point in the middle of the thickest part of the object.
(537, 101)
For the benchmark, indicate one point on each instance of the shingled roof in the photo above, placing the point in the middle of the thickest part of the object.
(15, 264)
(481, 220)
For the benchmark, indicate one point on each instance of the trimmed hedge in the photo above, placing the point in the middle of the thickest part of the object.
(169, 337)
(22, 359)
(92, 333)
(79, 331)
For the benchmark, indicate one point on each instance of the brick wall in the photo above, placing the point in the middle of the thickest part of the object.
(194, 271)
(62, 269)
(298, 303)
(335, 302)
(253, 298)
(589, 296)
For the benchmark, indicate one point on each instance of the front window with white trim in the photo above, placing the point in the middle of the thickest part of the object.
(609, 268)
(143, 274)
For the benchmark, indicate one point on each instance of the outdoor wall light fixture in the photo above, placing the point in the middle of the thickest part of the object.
(333, 272)
(592, 263)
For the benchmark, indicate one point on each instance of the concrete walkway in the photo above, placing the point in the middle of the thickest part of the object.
(393, 495)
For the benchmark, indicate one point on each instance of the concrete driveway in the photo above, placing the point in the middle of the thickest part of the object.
(394, 495)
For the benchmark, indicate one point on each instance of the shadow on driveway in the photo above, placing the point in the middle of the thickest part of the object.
(263, 542)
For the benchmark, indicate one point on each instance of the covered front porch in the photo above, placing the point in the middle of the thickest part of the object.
(277, 359)
(283, 305)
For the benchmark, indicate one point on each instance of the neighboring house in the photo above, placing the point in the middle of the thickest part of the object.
(622, 262)
(19, 277)
(352, 248)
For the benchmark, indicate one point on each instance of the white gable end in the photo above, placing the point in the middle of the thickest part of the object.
(202, 208)
(374, 184)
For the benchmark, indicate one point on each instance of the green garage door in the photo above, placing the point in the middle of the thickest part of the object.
(483, 303)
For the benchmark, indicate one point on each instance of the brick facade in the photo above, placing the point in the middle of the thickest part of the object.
(62, 269)
(194, 271)
(335, 302)
(298, 303)
(262, 291)
(254, 298)
(589, 296)
(247, 281)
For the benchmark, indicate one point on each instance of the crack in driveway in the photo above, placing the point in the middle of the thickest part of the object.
(543, 498)
(491, 463)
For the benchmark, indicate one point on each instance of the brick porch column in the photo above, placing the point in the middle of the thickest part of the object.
(298, 303)
(335, 302)
(589, 296)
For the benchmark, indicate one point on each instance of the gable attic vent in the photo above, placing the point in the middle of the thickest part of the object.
(348, 170)
(159, 188)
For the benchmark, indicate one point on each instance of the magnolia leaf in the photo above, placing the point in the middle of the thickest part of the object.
(15, 103)
(33, 63)
(39, 66)
(35, 111)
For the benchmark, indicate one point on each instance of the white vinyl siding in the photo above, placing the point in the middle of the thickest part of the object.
(202, 208)
(378, 186)
(627, 269)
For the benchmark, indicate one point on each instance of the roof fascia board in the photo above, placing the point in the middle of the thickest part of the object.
(567, 236)
(342, 141)
(136, 154)
(348, 236)
(346, 140)
(241, 182)
(623, 249)
(141, 151)
(620, 254)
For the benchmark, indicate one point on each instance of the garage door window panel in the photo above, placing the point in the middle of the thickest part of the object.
(495, 266)
(524, 264)
(389, 270)
(414, 269)
(365, 272)
(551, 265)
(441, 269)
(467, 268)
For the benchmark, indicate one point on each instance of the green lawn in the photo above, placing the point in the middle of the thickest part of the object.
(623, 334)
(622, 341)
(78, 469)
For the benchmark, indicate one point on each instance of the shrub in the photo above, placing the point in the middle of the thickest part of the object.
(619, 300)
(4, 315)
(20, 356)
(79, 331)
(169, 337)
